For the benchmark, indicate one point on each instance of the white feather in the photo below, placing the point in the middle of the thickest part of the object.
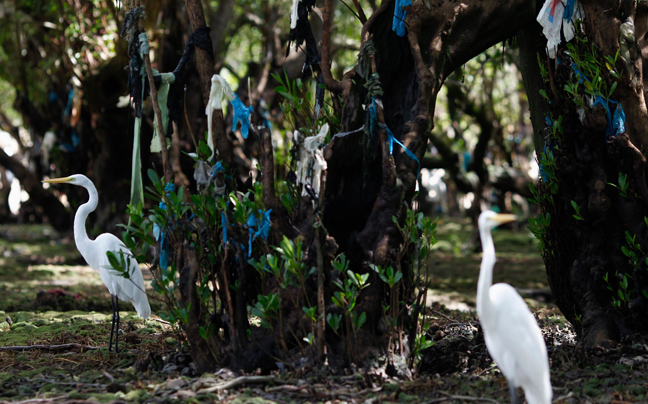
(512, 335)
(94, 252)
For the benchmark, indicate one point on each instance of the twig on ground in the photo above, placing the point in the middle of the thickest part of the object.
(159, 320)
(108, 376)
(47, 400)
(444, 316)
(486, 370)
(48, 380)
(237, 382)
(459, 324)
(450, 397)
(47, 347)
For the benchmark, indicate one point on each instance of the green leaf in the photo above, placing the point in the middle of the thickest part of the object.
(575, 206)
(625, 251)
(360, 320)
(153, 176)
(614, 86)
(398, 277)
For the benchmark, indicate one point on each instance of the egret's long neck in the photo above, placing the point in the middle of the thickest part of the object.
(80, 235)
(486, 271)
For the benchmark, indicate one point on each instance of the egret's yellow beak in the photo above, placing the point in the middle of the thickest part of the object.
(61, 180)
(502, 218)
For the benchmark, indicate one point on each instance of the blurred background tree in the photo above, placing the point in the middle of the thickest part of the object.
(62, 74)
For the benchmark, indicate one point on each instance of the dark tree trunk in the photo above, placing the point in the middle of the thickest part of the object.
(366, 186)
(584, 248)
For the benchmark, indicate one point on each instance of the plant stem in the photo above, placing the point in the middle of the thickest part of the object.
(168, 172)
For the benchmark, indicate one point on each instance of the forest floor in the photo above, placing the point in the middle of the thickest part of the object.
(48, 297)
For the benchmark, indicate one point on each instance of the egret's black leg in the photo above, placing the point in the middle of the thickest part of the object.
(117, 326)
(112, 324)
(512, 392)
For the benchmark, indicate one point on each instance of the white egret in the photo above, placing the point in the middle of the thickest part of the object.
(512, 335)
(95, 251)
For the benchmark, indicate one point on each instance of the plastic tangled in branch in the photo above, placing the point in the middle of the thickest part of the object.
(373, 120)
(616, 122)
(161, 235)
(311, 161)
(220, 90)
(258, 228)
(398, 24)
(555, 15)
(242, 115)
(300, 32)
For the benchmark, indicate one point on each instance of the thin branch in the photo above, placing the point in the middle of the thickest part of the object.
(352, 10)
(334, 86)
(361, 14)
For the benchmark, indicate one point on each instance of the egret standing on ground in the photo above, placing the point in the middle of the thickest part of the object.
(512, 335)
(129, 289)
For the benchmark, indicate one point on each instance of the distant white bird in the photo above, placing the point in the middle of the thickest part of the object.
(512, 335)
(129, 289)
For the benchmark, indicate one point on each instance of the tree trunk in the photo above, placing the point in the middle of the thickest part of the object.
(593, 194)
(366, 186)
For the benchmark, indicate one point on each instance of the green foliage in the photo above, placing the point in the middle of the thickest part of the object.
(622, 295)
(349, 285)
(548, 168)
(298, 104)
(623, 186)
(632, 250)
(177, 215)
(577, 215)
(266, 309)
(593, 67)
(623, 289)
(119, 263)
(538, 226)
(388, 276)
(419, 236)
(543, 196)
(423, 341)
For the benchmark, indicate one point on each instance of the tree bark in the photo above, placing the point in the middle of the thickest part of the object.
(205, 66)
(583, 249)
(362, 201)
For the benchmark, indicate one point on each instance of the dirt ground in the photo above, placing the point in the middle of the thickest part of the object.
(49, 298)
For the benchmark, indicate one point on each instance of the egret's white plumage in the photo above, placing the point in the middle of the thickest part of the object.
(129, 289)
(512, 335)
